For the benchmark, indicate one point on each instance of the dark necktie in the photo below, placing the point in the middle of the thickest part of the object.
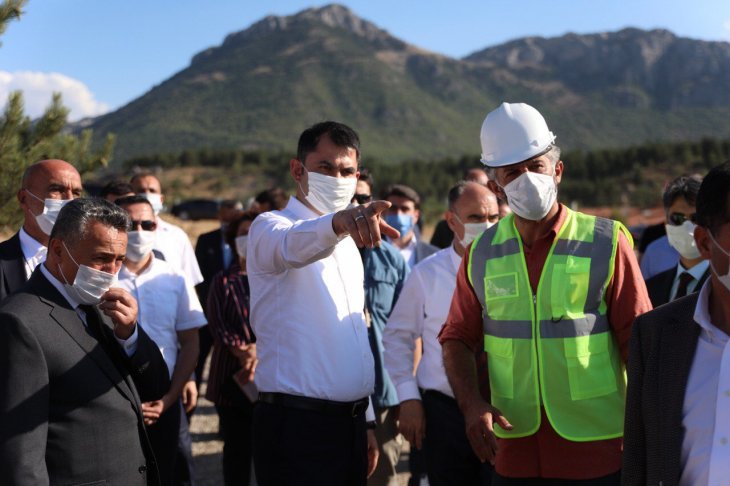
(684, 280)
(100, 331)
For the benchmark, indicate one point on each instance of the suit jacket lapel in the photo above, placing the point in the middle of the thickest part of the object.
(69, 320)
(676, 353)
(14, 264)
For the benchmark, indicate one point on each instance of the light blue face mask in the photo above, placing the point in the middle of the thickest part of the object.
(401, 222)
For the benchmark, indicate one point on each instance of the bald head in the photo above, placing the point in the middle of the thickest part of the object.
(47, 179)
(471, 205)
(466, 192)
(476, 175)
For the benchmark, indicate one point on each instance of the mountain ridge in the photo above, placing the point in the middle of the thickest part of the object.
(261, 86)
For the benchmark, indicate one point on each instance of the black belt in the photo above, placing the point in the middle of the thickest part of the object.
(351, 409)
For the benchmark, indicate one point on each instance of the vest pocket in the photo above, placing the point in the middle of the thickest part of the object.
(500, 362)
(588, 360)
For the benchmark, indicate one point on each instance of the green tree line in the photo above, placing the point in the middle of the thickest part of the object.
(632, 176)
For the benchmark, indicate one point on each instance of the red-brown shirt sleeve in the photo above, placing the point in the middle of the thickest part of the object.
(626, 296)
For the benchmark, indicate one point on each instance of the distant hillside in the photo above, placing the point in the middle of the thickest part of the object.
(263, 85)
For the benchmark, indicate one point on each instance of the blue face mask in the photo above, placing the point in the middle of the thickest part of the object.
(401, 222)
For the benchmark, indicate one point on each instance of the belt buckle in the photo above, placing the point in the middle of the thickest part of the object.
(353, 410)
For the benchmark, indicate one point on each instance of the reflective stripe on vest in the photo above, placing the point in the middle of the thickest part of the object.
(572, 366)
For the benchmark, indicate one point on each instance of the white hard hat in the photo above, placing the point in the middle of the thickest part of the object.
(513, 133)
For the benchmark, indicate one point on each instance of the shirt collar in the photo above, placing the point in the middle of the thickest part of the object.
(59, 286)
(30, 246)
(702, 315)
(299, 210)
(697, 271)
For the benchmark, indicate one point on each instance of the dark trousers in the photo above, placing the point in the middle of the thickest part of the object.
(302, 447)
(610, 480)
(205, 343)
(449, 457)
(184, 463)
(236, 429)
(163, 436)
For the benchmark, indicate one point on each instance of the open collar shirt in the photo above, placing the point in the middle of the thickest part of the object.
(33, 252)
(705, 456)
(421, 311)
(167, 303)
(307, 302)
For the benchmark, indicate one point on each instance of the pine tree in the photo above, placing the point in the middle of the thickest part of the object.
(23, 141)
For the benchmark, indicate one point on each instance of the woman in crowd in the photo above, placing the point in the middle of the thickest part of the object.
(233, 363)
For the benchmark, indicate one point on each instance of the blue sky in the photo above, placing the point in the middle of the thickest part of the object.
(104, 53)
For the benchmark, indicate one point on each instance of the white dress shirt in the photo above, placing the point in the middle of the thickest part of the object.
(129, 345)
(175, 246)
(421, 311)
(33, 252)
(697, 271)
(705, 458)
(167, 304)
(307, 301)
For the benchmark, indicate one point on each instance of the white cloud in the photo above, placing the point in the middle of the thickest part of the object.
(38, 88)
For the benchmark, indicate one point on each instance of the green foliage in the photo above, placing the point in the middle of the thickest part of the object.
(10, 10)
(23, 142)
(633, 176)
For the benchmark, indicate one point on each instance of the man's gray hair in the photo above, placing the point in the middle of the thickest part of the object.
(553, 155)
(74, 218)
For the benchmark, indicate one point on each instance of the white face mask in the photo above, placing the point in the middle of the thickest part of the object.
(531, 195)
(682, 239)
(724, 279)
(241, 245)
(472, 230)
(51, 208)
(155, 200)
(140, 244)
(330, 194)
(90, 284)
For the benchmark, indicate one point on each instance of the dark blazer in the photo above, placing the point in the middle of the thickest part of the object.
(660, 285)
(662, 347)
(209, 253)
(70, 410)
(424, 250)
(12, 266)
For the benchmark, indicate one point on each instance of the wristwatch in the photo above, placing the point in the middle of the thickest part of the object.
(371, 425)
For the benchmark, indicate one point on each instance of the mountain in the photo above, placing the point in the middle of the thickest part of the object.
(262, 86)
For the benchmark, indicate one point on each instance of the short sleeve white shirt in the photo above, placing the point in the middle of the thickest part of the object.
(175, 246)
(167, 304)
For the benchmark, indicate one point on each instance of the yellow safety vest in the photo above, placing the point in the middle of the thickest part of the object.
(553, 348)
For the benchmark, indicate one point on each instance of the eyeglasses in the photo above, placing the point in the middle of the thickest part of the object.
(146, 225)
(678, 219)
(363, 198)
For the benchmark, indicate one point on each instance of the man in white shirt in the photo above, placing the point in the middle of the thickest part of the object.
(172, 240)
(45, 187)
(677, 427)
(171, 314)
(316, 369)
(431, 418)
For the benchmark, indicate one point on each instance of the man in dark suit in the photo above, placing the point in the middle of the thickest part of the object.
(75, 366)
(676, 429)
(692, 270)
(43, 186)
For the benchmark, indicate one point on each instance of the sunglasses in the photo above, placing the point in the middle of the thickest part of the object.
(363, 198)
(146, 225)
(678, 219)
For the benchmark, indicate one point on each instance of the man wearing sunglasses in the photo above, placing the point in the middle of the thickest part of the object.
(45, 187)
(692, 270)
(171, 314)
